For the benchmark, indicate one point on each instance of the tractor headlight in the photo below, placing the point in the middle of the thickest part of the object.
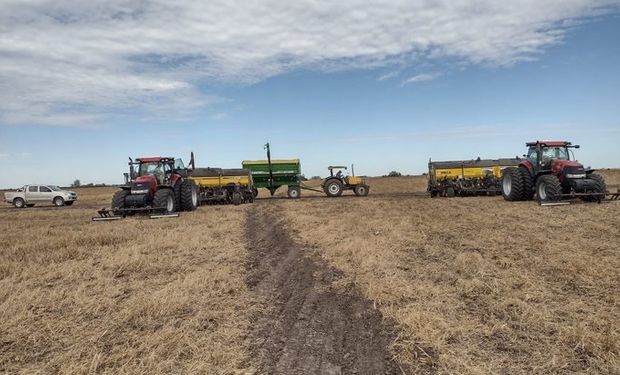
(141, 191)
(575, 175)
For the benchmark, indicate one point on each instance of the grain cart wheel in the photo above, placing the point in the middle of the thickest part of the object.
(164, 200)
(189, 196)
(361, 190)
(294, 192)
(236, 198)
(601, 187)
(19, 203)
(512, 184)
(548, 188)
(528, 184)
(333, 188)
(118, 200)
(59, 202)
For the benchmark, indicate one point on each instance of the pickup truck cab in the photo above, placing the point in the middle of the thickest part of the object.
(29, 195)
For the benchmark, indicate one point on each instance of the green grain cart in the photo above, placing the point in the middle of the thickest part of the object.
(272, 174)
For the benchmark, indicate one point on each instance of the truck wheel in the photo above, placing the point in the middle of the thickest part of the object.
(512, 184)
(59, 202)
(528, 184)
(189, 195)
(294, 192)
(164, 200)
(236, 198)
(333, 188)
(19, 203)
(361, 190)
(548, 188)
(118, 200)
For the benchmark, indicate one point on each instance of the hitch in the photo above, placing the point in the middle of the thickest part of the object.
(106, 214)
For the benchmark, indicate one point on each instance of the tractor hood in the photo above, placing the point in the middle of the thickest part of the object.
(568, 169)
(144, 184)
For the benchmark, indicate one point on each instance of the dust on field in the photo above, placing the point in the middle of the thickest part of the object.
(480, 285)
(131, 296)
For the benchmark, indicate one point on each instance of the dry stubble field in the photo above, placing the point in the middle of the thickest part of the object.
(384, 284)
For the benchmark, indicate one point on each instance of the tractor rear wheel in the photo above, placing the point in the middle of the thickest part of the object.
(548, 188)
(118, 200)
(512, 184)
(164, 200)
(294, 192)
(189, 195)
(333, 188)
(361, 190)
(528, 184)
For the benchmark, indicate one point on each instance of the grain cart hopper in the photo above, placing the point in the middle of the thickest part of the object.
(272, 174)
(550, 172)
(217, 185)
(466, 177)
(338, 181)
(157, 186)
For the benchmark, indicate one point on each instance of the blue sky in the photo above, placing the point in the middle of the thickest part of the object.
(79, 96)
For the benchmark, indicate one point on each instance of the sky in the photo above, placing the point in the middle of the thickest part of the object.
(384, 85)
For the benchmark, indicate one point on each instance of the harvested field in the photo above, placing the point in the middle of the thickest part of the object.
(391, 283)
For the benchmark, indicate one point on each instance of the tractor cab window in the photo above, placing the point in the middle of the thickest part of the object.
(178, 164)
(554, 153)
(148, 168)
(532, 155)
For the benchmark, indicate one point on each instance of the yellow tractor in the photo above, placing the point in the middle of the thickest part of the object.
(338, 181)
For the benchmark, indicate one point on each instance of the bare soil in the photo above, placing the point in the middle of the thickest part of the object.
(308, 324)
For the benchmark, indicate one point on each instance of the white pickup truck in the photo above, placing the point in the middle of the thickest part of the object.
(29, 195)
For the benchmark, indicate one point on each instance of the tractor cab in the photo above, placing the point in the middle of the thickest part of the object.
(543, 154)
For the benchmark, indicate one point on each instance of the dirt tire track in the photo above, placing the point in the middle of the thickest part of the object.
(305, 325)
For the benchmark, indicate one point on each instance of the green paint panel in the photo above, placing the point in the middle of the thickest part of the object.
(285, 172)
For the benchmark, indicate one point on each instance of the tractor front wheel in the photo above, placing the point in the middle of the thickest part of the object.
(118, 200)
(361, 190)
(164, 200)
(600, 187)
(333, 188)
(189, 196)
(548, 188)
(512, 184)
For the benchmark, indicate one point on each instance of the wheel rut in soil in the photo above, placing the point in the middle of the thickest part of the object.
(305, 325)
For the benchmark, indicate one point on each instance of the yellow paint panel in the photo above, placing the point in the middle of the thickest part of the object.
(219, 181)
(476, 172)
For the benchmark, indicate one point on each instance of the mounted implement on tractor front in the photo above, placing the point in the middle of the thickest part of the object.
(156, 186)
(549, 173)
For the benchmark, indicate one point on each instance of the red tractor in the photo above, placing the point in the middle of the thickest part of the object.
(549, 172)
(158, 185)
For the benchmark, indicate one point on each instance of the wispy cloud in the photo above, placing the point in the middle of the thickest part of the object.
(88, 59)
(420, 78)
(388, 75)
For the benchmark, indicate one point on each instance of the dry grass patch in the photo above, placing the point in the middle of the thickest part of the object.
(479, 285)
(133, 296)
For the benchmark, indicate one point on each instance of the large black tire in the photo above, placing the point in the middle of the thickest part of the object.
(19, 203)
(333, 188)
(601, 187)
(189, 195)
(294, 192)
(450, 193)
(164, 199)
(236, 198)
(361, 190)
(548, 188)
(177, 194)
(512, 184)
(118, 200)
(528, 184)
(58, 201)
(255, 192)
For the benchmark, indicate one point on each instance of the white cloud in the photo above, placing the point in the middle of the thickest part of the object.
(73, 61)
(420, 78)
